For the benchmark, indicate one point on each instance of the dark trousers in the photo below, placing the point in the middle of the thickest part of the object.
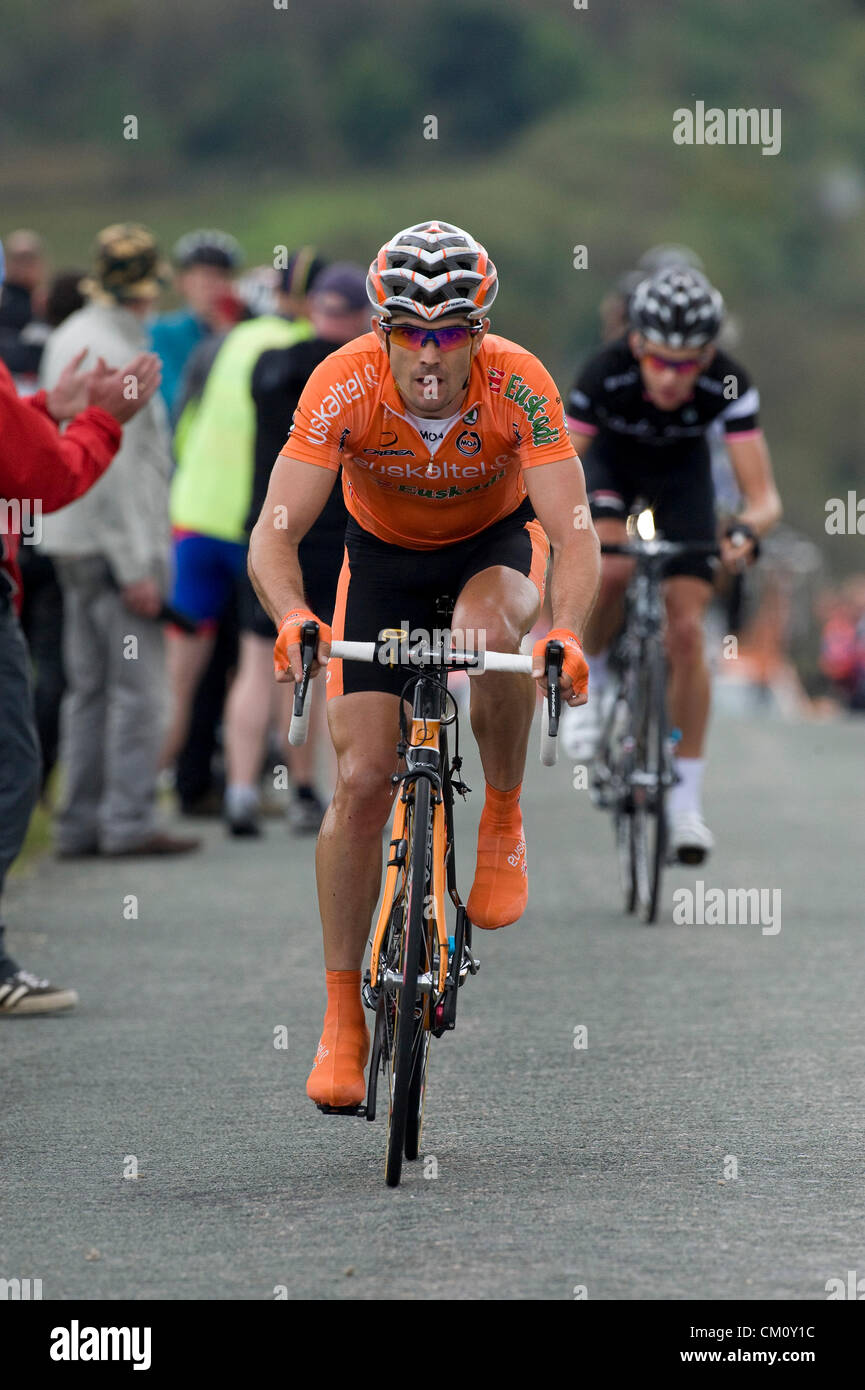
(194, 771)
(42, 622)
(20, 761)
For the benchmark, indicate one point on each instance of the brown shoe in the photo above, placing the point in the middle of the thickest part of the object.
(158, 843)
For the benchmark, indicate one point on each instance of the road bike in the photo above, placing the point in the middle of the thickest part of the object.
(418, 959)
(634, 765)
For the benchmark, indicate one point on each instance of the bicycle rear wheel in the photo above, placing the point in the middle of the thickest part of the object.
(407, 1053)
(649, 784)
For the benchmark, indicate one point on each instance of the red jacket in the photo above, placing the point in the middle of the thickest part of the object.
(43, 468)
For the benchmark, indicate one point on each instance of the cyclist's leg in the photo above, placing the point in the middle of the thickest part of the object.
(685, 511)
(503, 605)
(379, 586)
(501, 596)
(364, 727)
(687, 598)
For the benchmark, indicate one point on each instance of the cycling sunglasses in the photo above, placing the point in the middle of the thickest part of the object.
(406, 335)
(663, 364)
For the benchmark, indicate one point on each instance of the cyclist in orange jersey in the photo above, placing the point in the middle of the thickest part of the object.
(458, 475)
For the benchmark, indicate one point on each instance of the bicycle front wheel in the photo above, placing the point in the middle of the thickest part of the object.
(407, 1051)
(649, 785)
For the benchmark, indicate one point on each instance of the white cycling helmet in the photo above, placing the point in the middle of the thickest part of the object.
(432, 269)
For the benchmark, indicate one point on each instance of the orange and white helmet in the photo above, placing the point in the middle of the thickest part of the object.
(430, 270)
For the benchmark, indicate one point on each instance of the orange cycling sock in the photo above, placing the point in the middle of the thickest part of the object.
(337, 1072)
(501, 887)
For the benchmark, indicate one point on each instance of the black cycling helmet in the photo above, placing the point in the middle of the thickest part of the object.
(207, 248)
(677, 307)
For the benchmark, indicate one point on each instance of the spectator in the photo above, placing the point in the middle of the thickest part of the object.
(42, 599)
(339, 311)
(205, 262)
(22, 337)
(842, 642)
(112, 551)
(211, 489)
(39, 465)
(64, 297)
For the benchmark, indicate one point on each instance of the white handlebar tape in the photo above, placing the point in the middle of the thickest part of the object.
(299, 726)
(549, 745)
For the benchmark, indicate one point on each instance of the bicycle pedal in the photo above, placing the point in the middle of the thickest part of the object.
(359, 1110)
(369, 994)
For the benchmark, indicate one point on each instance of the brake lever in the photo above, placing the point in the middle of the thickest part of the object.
(308, 648)
(555, 658)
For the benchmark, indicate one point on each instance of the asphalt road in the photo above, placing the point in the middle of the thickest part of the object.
(606, 1166)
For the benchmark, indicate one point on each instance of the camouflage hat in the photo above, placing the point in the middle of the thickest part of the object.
(126, 265)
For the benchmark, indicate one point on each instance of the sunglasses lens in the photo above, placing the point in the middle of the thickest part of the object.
(406, 336)
(661, 364)
(455, 337)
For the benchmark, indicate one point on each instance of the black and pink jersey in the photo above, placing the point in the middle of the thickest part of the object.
(609, 399)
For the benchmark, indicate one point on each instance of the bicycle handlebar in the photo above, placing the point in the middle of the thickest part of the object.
(667, 549)
(474, 664)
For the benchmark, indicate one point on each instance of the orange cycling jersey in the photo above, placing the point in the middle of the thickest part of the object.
(351, 413)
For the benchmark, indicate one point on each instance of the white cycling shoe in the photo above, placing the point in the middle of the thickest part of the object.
(580, 730)
(689, 839)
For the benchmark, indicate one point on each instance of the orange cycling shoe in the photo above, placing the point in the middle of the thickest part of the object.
(501, 887)
(336, 1078)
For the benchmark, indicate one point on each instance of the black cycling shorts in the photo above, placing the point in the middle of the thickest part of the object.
(387, 586)
(320, 554)
(681, 494)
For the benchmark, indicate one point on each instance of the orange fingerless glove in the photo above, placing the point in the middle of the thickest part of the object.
(574, 664)
(289, 636)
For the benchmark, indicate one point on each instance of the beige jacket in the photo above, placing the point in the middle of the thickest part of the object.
(124, 517)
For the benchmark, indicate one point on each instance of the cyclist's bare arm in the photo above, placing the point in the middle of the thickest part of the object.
(295, 499)
(753, 469)
(580, 442)
(557, 491)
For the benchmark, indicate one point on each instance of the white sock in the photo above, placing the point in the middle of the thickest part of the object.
(686, 795)
(241, 800)
(598, 671)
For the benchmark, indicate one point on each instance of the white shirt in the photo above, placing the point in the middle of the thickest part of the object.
(432, 432)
